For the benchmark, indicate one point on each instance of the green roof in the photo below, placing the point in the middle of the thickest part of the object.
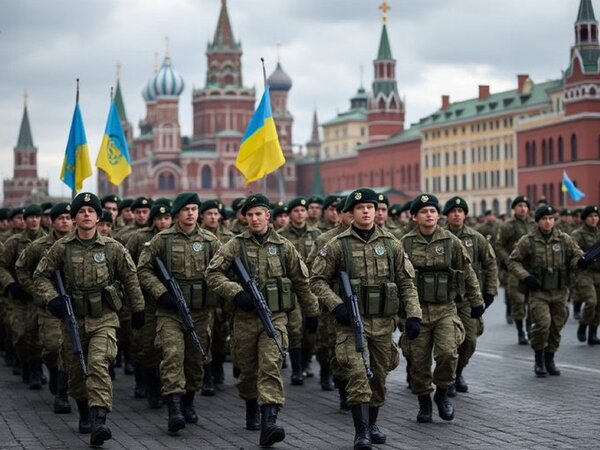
(586, 12)
(119, 103)
(502, 102)
(229, 133)
(192, 152)
(25, 140)
(354, 115)
(590, 58)
(385, 51)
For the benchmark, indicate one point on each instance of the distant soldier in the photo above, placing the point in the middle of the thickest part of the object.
(330, 216)
(279, 215)
(46, 220)
(111, 203)
(315, 210)
(239, 224)
(382, 217)
(543, 260)
(565, 221)
(125, 217)
(105, 223)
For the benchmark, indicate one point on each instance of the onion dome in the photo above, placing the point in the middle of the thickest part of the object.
(279, 80)
(167, 82)
(148, 93)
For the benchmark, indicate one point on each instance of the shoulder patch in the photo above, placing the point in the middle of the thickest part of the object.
(323, 251)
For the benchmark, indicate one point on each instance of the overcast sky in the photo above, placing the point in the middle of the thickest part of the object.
(441, 47)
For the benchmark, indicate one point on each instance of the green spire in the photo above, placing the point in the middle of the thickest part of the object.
(25, 140)
(586, 12)
(223, 34)
(119, 102)
(385, 51)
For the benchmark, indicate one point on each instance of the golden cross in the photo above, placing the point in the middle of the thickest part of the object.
(384, 7)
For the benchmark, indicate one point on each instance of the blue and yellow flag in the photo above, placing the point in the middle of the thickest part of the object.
(113, 157)
(260, 152)
(569, 186)
(76, 165)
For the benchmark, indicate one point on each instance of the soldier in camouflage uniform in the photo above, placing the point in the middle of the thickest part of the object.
(586, 236)
(145, 355)
(49, 329)
(330, 217)
(279, 215)
(565, 221)
(239, 224)
(95, 270)
(22, 312)
(483, 260)
(508, 235)
(105, 223)
(111, 203)
(280, 271)
(4, 224)
(382, 217)
(382, 278)
(301, 344)
(315, 210)
(444, 277)
(125, 217)
(46, 222)
(542, 261)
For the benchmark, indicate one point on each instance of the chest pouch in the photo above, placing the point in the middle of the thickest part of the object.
(433, 287)
(114, 296)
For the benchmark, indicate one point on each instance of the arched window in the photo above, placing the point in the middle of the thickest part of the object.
(495, 206)
(544, 152)
(403, 172)
(206, 178)
(527, 154)
(417, 175)
(551, 194)
(550, 151)
(573, 147)
(533, 154)
(508, 205)
(409, 175)
(483, 206)
(166, 181)
(231, 178)
(561, 149)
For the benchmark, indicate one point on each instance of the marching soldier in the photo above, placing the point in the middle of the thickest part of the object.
(382, 214)
(315, 210)
(542, 261)
(95, 268)
(105, 223)
(278, 267)
(279, 216)
(330, 216)
(239, 224)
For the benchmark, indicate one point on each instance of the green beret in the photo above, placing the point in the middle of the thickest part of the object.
(520, 199)
(340, 205)
(395, 210)
(32, 210)
(330, 200)
(141, 202)
(314, 199)
(382, 198)
(106, 216)
(588, 210)
(211, 204)
(110, 198)
(405, 207)
(424, 200)
(237, 203)
(185, 198)
(278, 210)
(163, 201)
(298, 201)
(15, 212)
(456, 202)
(4, 213)
(46, 207)
(362, 195)
(228, 213)
(253, 201)
(566, 212)
(125, 203)
(58, 209)
(544, 210)
(542, 200)
(157, 210)
(86, 199)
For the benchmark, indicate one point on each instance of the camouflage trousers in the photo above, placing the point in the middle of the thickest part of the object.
(143, 350)
(125, 334)
(50, 333)
(220, 331)
(381, 352)
(473, 329)
(181, 367)
(99, 344)
(325, 340)
(441, 335)
(549, 313)
(258, 358)
(297, 334)
(24, 329)
(515, 297)
(591, 310)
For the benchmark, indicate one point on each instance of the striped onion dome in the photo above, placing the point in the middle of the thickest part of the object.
(167, 82)
(148, 93)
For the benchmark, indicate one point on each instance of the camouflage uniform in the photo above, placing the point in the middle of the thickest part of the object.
(237, 227)
(585, 237)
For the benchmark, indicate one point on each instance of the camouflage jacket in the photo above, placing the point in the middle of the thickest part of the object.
(136, 242)
(13, 248)
(222, 233)
(302, 238)
(237, 227)
(508, 235)
(323, 239)
(489, 231)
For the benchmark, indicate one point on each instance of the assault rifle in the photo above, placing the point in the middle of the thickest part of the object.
(250, 285)
(351, 302)
(71, 322)
(592, 253)
(175, 290)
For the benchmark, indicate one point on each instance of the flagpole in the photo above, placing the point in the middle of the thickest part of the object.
(262, 61)
(73, 191)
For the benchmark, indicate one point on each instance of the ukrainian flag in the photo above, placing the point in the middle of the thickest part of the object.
(569, 186)
(260, 152)
(113, 157)
(76, 165)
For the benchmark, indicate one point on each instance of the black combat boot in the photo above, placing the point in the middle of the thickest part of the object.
(445, 408)
(236, 372)
(270, 432)
(188, 407)
(52, 382)
(461, 385)
(176, 419)
(377, 436)
(85, 425)
(408, 377)
(217, 367)
(344, 406)
(539, 364)
(61, 400)
(577, 310)
(360, 415)
(327, 383)
(35, 375)
(509, 319)
(25, 373)
(582, 332)
(549, 363)
(17, 369)
(452, 391)
(208, 385)
(593, 336)
(128, 367)
(252, 415)
(100, 431)
(140, 382)
(521, 334)
(9, 355)
(154, 398)
(425, 409)
(296, 360)
(306, 360)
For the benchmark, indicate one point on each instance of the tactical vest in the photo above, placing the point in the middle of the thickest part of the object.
(472, 246)
(555, 277)
(374, 300)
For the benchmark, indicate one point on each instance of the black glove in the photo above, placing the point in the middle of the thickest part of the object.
(138, 319)
(57, 307)
(244, 301)
(412, 328)
(488, 299)
(16, 291)
(583, 263)
(167, 301)
(503, 266)
(477, 311)
(311, 323)
(531, 283)
(340, 312)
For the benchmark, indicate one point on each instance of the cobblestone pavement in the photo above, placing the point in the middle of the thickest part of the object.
(506, 407)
